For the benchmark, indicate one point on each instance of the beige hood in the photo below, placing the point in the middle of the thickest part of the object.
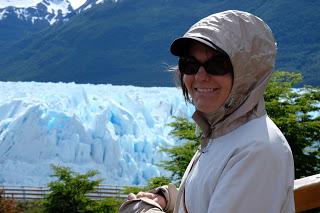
(251, 47)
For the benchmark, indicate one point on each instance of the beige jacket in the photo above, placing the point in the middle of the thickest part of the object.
(245, 164)
(249, 169)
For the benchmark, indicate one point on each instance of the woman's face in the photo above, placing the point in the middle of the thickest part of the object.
(208, 92)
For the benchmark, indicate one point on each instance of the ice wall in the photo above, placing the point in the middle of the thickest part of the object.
(117, 130)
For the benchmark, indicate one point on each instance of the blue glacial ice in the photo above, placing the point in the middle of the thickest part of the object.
(117, 130)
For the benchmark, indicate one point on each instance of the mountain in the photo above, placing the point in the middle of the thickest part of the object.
(20, 18)
(127, 42)
(44, 11)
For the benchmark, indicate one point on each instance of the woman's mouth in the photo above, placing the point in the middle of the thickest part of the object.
(205, 90)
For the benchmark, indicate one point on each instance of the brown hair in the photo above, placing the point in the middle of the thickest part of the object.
(179, 80)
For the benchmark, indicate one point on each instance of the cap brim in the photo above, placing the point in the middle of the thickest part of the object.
(180, 46)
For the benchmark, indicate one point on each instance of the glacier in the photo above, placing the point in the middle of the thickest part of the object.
(117, 130)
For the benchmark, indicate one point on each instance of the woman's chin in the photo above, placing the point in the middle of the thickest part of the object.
(205, 108)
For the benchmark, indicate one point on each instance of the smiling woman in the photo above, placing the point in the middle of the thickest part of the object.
(244, 163)
(208, 91)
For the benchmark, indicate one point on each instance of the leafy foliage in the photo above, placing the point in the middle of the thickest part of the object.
(68, 192)
(157, 181)
(152, 183)
(8, 205)
(180, 156)
(293, 111)
(107, 205)
(31, 206)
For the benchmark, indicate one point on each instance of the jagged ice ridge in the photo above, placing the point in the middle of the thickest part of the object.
(117, 130)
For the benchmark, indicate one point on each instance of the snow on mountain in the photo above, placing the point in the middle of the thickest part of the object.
(117, 130)
(59, 8)
(35, 11)
(51, 11)
(77, 3)
(19, 3)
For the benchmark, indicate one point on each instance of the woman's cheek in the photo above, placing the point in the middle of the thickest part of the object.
(188, 80)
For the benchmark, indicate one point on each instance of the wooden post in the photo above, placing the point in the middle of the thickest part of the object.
(307, 193)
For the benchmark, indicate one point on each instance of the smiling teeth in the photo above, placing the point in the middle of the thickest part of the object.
(205, 89)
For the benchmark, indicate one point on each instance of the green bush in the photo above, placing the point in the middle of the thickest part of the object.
(108, 205)
(291, 109)
(31, 206)
(181, 155)
(152, 183)
(68, 192)
(8, 205)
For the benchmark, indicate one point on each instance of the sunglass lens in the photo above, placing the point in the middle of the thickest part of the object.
(216, 67)
(188, 66)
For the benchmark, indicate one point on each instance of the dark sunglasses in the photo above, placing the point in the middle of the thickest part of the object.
(218, 65)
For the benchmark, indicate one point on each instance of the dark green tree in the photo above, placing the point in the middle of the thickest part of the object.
(180, 156)
(296, 113)
(293, 110)
(152, 183)
(108, 205)
(157, 181)
(68, 192)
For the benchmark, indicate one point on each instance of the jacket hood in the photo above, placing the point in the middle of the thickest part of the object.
(251, 47)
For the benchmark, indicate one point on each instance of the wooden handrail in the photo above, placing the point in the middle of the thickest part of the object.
(307, 193)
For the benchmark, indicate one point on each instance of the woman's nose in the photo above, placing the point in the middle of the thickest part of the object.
(202, 74)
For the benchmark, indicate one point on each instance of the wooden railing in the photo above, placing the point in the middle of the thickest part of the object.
(307, 193)
(31, 192)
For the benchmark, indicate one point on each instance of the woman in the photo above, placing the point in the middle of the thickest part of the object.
(245, 164)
